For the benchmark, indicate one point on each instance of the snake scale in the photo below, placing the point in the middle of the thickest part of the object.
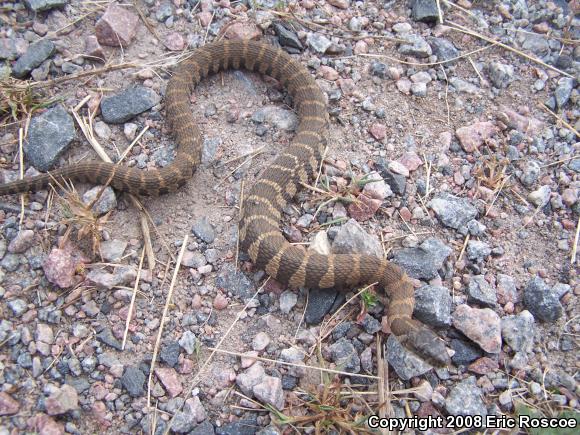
(259, 226)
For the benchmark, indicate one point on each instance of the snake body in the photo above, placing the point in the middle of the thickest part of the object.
(259, 231)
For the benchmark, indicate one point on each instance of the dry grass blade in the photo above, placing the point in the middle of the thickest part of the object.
(164, 316)
(132, 303)
(575, 246)
(560, 119)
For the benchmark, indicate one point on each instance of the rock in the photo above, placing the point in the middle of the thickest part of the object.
(121, 276)
(60, 267)
(463, 86)
(424, 10)
(364, 208)
(23, 240)
(530, 173)
(107, 200)
(480, 325)
(396, 182)
(319, 244)
(340, 4)
(133, 380)
(260, 341)
(62, 401)
(471, 137)
(93, 48)
(174, 41)
(196, 409)
(500, 74)
(452, 211)
(288, 300)
(345, 356)
(287, 38)
(351, 238)
(210, 148)
(37, 53)
(188, 342)
(112, 250)
(164, 11)
(518, 331)
(124, 106)
(477, 250)
(320, 302)
(8, 406)
(443, 49)
(378, 130)
(193, 259)
(102, 130)
(204, 230)
(240, 427)
(465, 352)
(44, 5)
(278, 117)
(415, 46)
(318, 42)
(250, 378)
(466, 398)
(235, 282)
(170, 380)
(49, 135)
(423, 262)
(117, 27)
(536, 44)
(206, 428)
(243, 31)
(541, 196)
(270, 391)
(169, 353)
(506, 289)
(406, 364)
(106, 336)
(378, 69)
(524, 124)
(433, 305)
(542, 302)
(563, 91)
(17, 306)
(481, 292)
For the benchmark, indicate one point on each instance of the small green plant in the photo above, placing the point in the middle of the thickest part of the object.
(523, 409)
(369, 299)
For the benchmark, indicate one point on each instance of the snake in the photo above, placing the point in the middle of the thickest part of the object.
(261, 210)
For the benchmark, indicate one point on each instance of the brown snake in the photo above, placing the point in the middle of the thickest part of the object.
(259, 231)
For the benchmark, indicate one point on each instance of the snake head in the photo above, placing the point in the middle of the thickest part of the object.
(428, 346)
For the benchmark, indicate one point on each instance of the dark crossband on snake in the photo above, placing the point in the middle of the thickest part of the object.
(259, 226)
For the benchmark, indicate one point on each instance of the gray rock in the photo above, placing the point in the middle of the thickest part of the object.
(10, 262)
(270, 391)
(280, 118)
(352, 238)
(424, 10)
(506, 289)
(106, 336)
(49, 135)
(535, 43)
(518, 331)
(433, 305)
(443, 49)
(23, 240)
(563, 91)
(206, 428)
(479, 291)
(44, 5)
(37, 53)
(406, 364)
(17, 306)
(188, 342)
(477, 250)
(379, 69)
(574, 165)
(466, 398)
(193, 259)
(10, 48)
(121, 276)
(541, 196)
(164, 11)
(210, 147)
(415, 46)
(112, 250)
(530, 173)
(500, 74)
(541, 301)
(240, 427)
(107, 201)
(320, 303)
(169, 353)
(452, 211)
(318, 42)
(235, 282)
(288, 300)
(133, 380)
(251, 377)
(204, 230)
(423, 262)
(287, 38)
(419, 89)
(463, 86)
(183, 422)
(370, 324)
(345, 356)
(124, 106)
(465, 353)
